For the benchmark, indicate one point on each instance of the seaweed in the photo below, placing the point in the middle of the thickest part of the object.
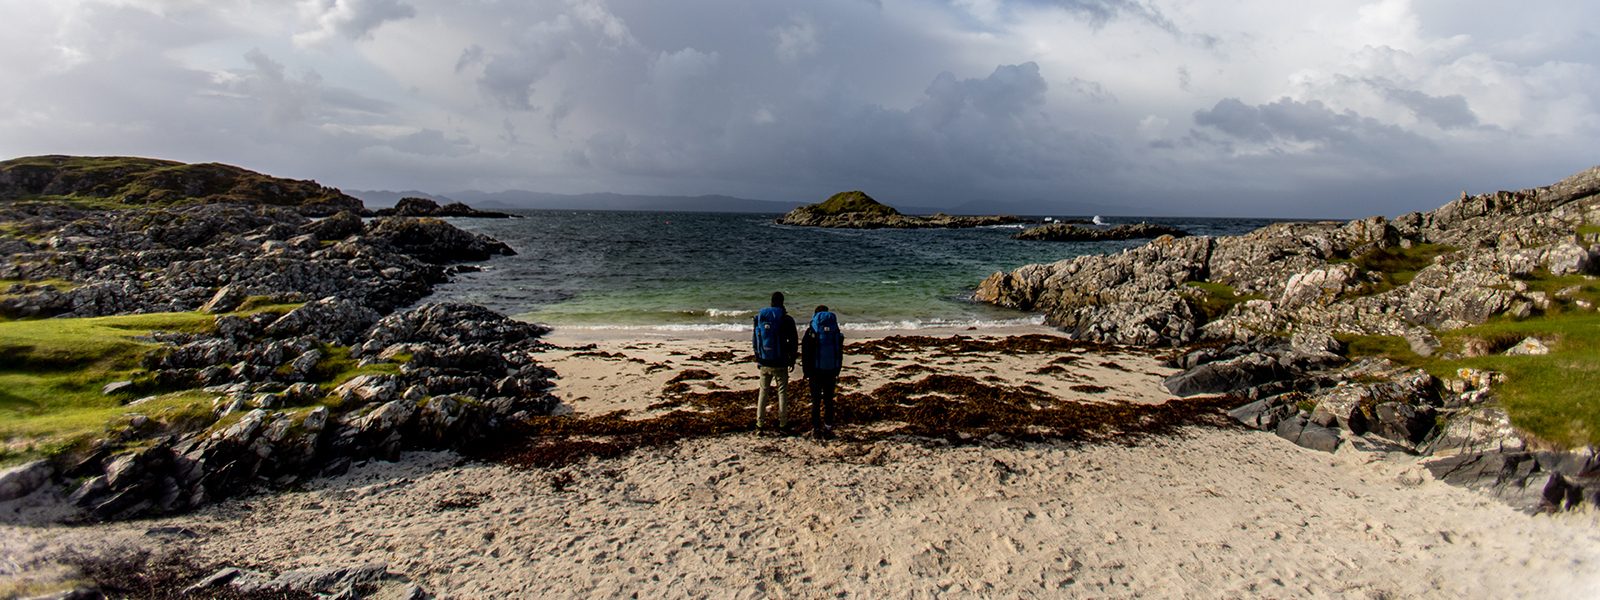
(954, 408)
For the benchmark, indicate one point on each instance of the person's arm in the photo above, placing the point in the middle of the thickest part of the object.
(792, 342)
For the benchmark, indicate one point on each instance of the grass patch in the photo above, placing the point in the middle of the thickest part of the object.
(1217, 299)
(1392, 347)
(1397, 266)
(1576, 287)
(853, 202)
(1588, 230)
(337, 367)
(1553, 397)
(52, 370)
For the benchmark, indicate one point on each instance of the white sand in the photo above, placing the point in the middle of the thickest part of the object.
(1213, 513)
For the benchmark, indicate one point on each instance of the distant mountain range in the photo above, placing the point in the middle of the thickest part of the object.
(521, 199)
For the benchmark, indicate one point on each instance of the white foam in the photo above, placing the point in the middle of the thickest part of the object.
(718, 312)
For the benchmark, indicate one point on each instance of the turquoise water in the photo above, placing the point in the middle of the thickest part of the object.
(678, 271)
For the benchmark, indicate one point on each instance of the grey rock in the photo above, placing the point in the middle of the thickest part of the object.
(23, 479)
(227, 299)
(1306, 434)
(1529, 347)
(1263, 415)
(117, 387)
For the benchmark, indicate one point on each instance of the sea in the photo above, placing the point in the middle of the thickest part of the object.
(684, 271)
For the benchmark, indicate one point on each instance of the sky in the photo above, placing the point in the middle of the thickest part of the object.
(1336, 108)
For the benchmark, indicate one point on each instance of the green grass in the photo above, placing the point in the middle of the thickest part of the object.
(1217, 299)
(854, 201)
(113, 182)
(1396, 266)
(1552, 397)
(1588, 230)
(1588, 289)
(52, 372)
(1555, 396)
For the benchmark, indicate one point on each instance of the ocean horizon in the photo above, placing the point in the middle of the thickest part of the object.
(702, 271)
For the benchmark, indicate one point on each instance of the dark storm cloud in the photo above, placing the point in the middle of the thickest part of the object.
(1288, 120)
(1445, 111)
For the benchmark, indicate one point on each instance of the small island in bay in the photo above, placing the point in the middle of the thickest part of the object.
(1065, 232)
(856, 210)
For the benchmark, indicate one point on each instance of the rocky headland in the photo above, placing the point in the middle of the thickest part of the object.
(1069, 232)
(857, 210)
(242, 342)
(1383, 333)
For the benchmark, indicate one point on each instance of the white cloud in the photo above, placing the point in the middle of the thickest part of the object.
(796, 39)
(1251, 105)
(349, 19)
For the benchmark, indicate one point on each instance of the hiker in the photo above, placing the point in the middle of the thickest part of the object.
(775, 345)
(821, 357)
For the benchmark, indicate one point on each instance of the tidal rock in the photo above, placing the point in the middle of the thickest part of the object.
(1306, 434)
(857, 210)
(434, 241)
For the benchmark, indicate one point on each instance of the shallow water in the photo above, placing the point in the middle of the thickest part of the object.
(709, 271)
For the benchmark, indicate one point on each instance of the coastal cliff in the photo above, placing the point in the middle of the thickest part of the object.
(857, 210)
(1448, 333)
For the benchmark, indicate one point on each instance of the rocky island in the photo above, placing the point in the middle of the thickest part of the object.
(423, 207)
(857, 210)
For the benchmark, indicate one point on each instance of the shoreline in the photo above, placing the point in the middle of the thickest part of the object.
(577, 335)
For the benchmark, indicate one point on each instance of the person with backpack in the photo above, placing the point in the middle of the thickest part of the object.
(775, 343)
(821, 357)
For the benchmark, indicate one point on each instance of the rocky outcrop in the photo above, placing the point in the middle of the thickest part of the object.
(293, 391)
(1351, 277)
(181, 258)
(1412, 277)
(443, 375)
(1134, 297)
(423, 207)
(1060, 232)
(132, 181)
(434, 241)
(856, 210)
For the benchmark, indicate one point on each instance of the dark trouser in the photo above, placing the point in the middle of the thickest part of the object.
(822, 384)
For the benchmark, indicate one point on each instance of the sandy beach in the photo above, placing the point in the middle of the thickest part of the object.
(1205, 510)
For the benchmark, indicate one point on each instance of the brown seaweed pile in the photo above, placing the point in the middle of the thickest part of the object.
(937, 408)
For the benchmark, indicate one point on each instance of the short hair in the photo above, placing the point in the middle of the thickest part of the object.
(821, 308)
(777, 298)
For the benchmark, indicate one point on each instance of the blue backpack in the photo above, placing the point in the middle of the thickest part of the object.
(768, 342)
(829, 341)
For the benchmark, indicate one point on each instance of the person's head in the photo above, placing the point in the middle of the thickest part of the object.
(821, 308)
(777, 298)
